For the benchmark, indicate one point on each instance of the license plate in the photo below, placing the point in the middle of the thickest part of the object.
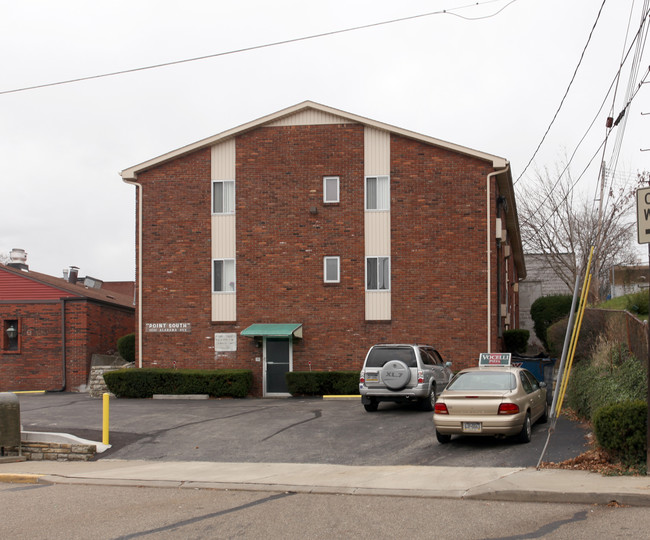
(472, 427)
(372, 379)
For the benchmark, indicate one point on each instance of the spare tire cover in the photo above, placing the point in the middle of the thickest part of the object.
(395, 374)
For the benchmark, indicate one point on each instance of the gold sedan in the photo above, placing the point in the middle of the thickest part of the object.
(496, 401)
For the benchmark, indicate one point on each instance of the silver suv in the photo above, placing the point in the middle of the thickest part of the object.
(402, 373)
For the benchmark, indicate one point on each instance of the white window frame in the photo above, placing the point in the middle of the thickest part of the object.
(223, 202)
(224, 287)
(377, 258)
(338, 189)
(338, 269)
(382, 193)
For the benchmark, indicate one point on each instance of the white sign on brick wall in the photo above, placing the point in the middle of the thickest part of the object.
(225, 342)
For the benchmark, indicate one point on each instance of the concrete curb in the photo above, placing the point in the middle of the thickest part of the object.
(9, 478)
(489, 484)
(485, 493)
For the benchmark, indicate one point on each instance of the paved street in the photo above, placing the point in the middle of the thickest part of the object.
(282, 431)
(43, 511)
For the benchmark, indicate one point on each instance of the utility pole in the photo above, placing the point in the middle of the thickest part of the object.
(598, 243)
(643, 236)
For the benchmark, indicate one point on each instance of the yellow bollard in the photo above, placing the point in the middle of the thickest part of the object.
(105, 424)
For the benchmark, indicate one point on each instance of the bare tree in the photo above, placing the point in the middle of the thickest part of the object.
(558, 223)
(4, 258)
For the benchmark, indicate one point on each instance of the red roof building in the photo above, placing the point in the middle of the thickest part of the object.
(50, 328)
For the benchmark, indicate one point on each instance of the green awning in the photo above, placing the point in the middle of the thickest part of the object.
(273, 330)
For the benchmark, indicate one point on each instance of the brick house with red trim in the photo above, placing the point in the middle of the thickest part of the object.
(50, 328)
(298, 240)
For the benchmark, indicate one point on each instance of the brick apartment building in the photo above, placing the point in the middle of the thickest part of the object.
(51, 327)
(298, 240)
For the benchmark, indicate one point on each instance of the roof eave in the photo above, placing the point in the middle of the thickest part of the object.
(132, 172)
(506, 189)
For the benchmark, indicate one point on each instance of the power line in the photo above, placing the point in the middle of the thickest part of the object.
(575, 72)
(268, 45)
(614, 80)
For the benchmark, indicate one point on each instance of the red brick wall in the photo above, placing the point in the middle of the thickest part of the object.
(177, 260)
(439, 254)
(438, 260)
(38, 364)
(90, 328)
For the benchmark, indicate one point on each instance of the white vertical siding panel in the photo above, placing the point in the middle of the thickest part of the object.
(377, 224)
(377, 233)
(310, 117)
(223, 236)
(223, 160)
(377, 152)
(378, 304)
(224, 307)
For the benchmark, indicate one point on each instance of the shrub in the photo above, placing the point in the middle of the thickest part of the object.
(126, 347)
(321, 383)
(516, 341)
(620, 429)
(613, 376)
(549, 309)
(144, 383)
(594, 323)
(637, 303)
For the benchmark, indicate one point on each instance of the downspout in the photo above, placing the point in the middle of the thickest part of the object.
(139, 277)
(489, 254)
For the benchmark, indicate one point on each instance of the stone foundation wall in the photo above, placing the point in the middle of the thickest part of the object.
(96, 384)
(38, 451)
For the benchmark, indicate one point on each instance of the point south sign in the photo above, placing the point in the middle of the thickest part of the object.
(168, 327)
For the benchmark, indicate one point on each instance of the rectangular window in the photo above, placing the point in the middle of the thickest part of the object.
(223, 197)
(10, 336)
(331, 269)
(378, 273)
(331, 189)
(223, 275)
(377, 193)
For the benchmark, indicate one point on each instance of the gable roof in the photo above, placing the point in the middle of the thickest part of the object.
(315, 113)
(42, 286)
(344, 117)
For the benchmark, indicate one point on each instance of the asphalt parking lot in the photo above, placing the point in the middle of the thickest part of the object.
(291, 430)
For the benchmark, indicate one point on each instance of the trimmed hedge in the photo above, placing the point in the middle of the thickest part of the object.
(321, 383)
(126, 347)
(547, 310)
(145, 382)
(620, 429)
(516, 341)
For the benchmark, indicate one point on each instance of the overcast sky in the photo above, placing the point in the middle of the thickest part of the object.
(493, 84)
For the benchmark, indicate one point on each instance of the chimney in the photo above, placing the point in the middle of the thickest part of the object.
(73, 272)
(18, 259)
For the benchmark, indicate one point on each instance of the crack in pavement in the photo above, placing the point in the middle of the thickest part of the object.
(317, 414)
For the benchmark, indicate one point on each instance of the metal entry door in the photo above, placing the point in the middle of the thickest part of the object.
(277, 360)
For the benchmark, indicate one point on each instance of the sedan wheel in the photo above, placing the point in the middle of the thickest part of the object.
(442, 438)
(526, 430)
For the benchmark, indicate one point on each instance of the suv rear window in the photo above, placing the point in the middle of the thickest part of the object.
(380, 355)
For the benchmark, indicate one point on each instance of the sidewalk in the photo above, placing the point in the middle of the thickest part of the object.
(504, 484)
